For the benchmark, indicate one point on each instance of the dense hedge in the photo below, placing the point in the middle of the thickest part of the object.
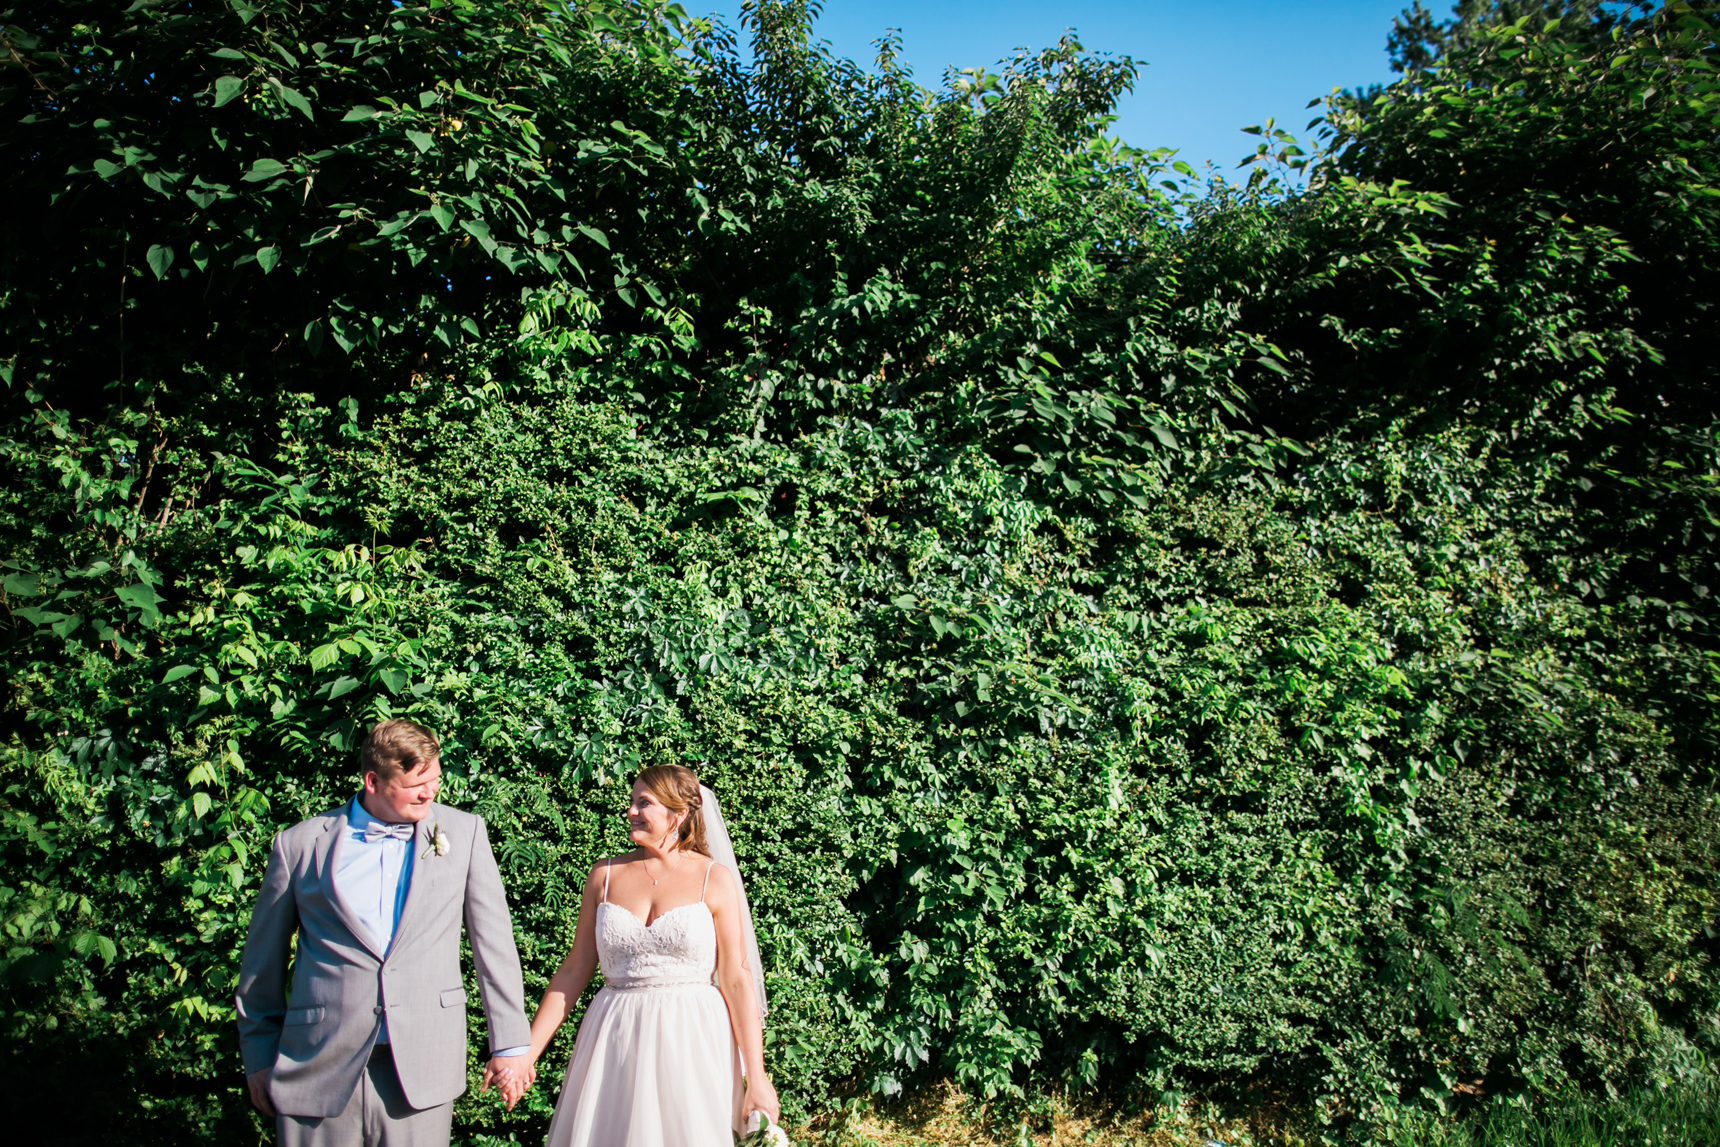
(1157, 639)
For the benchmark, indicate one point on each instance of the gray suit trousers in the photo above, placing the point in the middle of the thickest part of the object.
(377, 1115)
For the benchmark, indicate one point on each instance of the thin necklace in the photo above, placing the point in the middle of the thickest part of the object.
(647, 863)
(647, 860)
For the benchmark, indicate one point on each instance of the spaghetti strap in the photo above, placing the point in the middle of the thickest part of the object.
(606, 867)
(702, 891)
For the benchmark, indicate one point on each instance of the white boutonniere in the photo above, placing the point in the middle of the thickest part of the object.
(439, 844)
(762, 1132)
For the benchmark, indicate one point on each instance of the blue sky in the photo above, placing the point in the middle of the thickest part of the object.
(1211, 67)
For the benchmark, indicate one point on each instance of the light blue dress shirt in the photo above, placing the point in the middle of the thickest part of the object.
(373, 878)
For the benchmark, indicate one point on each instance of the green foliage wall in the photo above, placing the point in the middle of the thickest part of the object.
(1152, 638)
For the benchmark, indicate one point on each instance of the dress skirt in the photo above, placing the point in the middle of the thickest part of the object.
(653, 1066)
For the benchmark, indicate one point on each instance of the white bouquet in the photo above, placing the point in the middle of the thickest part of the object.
(761, 1131)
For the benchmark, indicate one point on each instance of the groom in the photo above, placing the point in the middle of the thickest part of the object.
(371, 1046)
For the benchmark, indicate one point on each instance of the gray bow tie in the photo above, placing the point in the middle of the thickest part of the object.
(376, 830)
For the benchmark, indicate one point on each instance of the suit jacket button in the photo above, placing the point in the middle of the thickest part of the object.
(377, 1010)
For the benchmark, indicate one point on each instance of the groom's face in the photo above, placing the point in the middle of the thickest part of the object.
(398, 796)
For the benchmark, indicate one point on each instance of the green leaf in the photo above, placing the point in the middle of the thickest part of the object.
(139, 596)
(342, 687)
(595, 236)
(480, 231)
(264, 169)
(178, 672)
(422, 140)
(347, 334)
(359, 113)
(268, 258)
(295, 99)
(397, 225)
(228, 89)
(26, 584)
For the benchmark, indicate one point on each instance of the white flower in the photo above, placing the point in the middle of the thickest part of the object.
(439, 840)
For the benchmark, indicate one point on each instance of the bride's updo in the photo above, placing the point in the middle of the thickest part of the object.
(677, 789)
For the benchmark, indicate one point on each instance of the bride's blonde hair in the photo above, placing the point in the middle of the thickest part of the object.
(677, 789)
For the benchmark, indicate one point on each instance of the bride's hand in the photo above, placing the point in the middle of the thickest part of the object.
(512, 1076)
(523, 1082)
(761, 1096)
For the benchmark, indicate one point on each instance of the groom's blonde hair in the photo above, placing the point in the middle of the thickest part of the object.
(677, 789)
(399, 746)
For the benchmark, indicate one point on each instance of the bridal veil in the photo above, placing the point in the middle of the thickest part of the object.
(723, 852)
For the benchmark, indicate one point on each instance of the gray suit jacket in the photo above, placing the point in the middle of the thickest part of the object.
(318, 1042)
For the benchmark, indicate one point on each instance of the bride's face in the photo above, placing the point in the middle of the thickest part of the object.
(648, 819)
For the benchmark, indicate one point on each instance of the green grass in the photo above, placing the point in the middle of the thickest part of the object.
(1681, 1118)
(942, 1116)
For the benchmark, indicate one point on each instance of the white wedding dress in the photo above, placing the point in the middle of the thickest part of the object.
(655, 1063)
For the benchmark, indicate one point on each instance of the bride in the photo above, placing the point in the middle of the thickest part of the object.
(659, 1058)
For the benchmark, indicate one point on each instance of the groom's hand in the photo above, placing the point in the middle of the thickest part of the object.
(258, 1085)
(511, 1075)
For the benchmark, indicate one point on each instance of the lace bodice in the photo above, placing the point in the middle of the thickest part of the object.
(677, 948)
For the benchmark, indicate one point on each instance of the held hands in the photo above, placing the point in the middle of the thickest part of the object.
(511, 1075)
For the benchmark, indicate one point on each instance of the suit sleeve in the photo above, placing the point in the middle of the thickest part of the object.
(491, 931)
(261, 998)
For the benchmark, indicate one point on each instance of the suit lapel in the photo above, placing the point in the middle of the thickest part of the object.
(423, 876)
(328, 859)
